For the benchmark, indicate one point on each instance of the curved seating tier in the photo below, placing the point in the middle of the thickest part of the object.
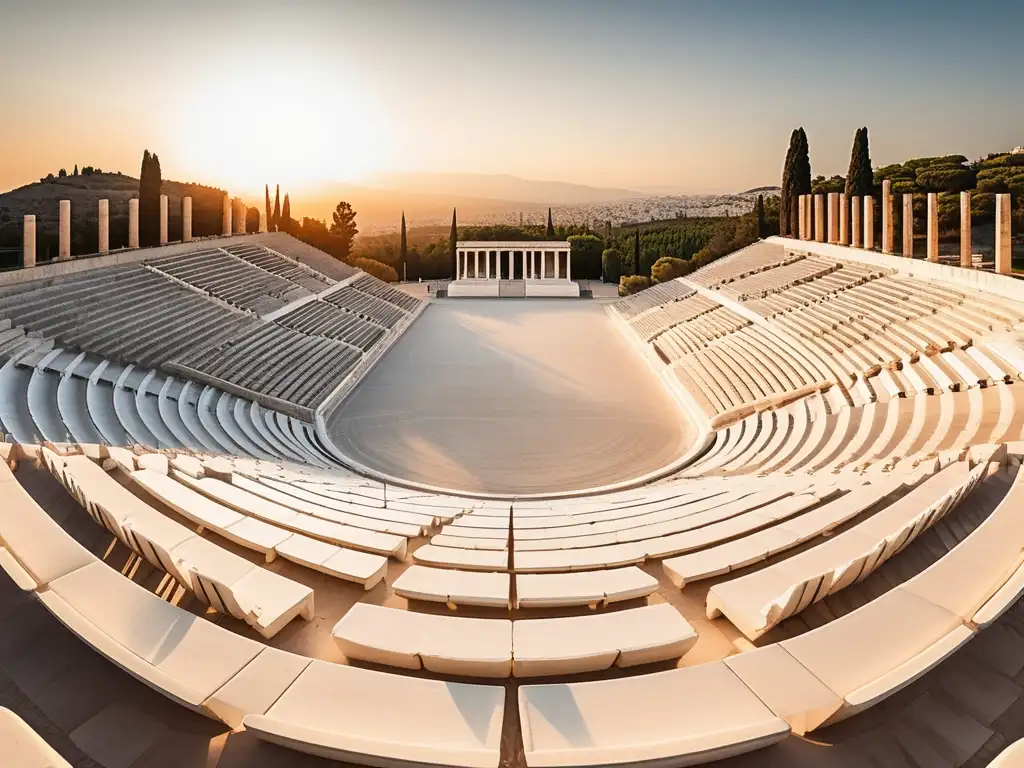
(23, 747)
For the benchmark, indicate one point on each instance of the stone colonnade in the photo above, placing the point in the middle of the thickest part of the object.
(533, 264)
(852, 222)
(231, 206)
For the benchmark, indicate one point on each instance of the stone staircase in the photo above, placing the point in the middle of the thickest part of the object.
(512, 289)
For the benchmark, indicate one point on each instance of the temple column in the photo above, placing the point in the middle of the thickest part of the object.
(238, 216)
(819, 218)
(568, 265)
(558, 271)
(844, 219)
(908, 226)
(186, 219)
(476, 265)
(543, 264)
(966, 259)
(133, 223)
(103, 222)
(855, 229)
(833, 217)
(800, 210)
(933, 226)
(869, 223)
(487, 266)
(1004, 253)
(887, 228)
(263, 219)
(225, 218)
(163, 219)
(28, 242)
(64, 241)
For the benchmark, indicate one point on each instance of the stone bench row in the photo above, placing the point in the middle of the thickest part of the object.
(500, 647)
(282, 266)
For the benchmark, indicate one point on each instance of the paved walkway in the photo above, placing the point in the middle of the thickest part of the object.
(512, 396)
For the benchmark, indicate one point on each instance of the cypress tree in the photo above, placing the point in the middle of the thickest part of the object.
(759, 208)
(801, 178)
(404, 246)
(550, 234)
(276, 220)
(636, 252)
(286, 215)
(786, 195)
(270, 212)
(150, 183)
(453, 238)
(859, 179)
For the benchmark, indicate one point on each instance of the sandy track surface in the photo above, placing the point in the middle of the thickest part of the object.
(512, 397)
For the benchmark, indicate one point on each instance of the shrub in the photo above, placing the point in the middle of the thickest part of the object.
(630, 284)
(612, 261)
(378, 269)
(667, 268)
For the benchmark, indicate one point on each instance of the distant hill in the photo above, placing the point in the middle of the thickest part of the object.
(498, 187)
(762, 191)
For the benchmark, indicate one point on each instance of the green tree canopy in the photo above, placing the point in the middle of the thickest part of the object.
(585, 255)
(666, 268)
(859, 179)
(344, 225)
(611, 261)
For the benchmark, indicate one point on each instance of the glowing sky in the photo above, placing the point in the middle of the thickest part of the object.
(699, 96)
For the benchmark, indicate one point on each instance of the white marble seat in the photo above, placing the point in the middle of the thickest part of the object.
(455, 587)
(349, 714)
(593, 588)
(714, 715)
(23, 747)
(627, 638)
(757, 602)
(439, 643)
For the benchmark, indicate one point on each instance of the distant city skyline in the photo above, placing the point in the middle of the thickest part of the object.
(696, 97)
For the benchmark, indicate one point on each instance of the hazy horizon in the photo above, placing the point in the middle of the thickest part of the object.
(696, 97)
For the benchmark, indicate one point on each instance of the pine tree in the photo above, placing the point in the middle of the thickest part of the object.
(286, 215)
(799, 180)
(276, 220)
(150, 183)
(636, 252)
(404, 253)
(270, 212)
(453, 238)
(759, 208)
(859, 179)
(550, 233)
(786, 194)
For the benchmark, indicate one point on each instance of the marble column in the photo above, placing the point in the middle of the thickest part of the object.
(819, 218)
(543, 264)
(487, 266)
(887, 228)
(133, 223)
(225, 228)
(966, 259)
(801, 219)
(558, 265)
(568, 265)
(103, 220)
(476, 264)
(238, 215)
(28, 242)
(869, 223)
(1004, 245)
(844, 219)
(833, 217)
(263, 219)
(908, 226)
(64, 241)
(163, 219)
(855, 225)
(186, 219)
(933, 226)
(809, 208)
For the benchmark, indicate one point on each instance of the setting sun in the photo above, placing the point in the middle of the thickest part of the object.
(311, 131)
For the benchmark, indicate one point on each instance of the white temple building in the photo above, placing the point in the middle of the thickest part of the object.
(530, 268)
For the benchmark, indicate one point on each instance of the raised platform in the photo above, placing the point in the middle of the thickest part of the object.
(483, 288)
